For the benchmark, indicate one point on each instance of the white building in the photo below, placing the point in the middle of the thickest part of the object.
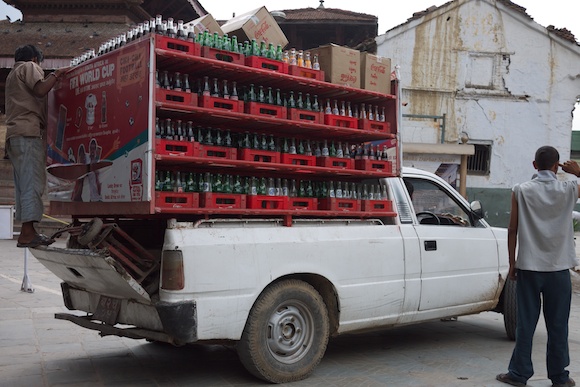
(500, 80)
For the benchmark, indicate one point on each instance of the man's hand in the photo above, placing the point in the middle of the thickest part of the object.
(59, 72)
(571, 167)
(512, 273)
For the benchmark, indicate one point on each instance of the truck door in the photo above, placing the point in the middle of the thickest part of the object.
(459, 254)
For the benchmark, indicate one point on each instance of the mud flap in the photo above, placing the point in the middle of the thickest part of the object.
(179, 320)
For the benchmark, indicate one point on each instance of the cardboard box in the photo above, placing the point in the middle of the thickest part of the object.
(341, 65)
(376, 73)
(205, 23)
(257, 24)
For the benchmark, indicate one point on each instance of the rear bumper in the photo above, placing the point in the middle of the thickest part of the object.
(174, 323)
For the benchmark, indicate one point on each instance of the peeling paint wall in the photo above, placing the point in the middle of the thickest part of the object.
(496, 74)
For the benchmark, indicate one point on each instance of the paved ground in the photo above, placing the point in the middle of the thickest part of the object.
(37, 350)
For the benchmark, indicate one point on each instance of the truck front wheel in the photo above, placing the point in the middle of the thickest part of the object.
(286, 333)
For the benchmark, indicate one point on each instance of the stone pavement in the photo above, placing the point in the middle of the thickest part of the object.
(37, 350)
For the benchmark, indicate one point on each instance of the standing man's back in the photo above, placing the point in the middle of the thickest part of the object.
(541, 226)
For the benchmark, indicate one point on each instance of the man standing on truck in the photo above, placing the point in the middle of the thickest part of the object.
(26, 90)
(541, 226)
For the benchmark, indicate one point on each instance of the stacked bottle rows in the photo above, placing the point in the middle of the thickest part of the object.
(178, 130)
(203, 86)
(183, 182)
(186, 32)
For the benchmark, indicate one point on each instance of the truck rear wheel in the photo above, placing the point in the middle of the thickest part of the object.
(286, 333)
(510, 308)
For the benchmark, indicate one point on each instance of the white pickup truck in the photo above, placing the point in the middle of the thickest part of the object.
(280, 292)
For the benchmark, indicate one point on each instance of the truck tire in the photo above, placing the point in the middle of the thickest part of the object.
(510, 309)
(286, 333)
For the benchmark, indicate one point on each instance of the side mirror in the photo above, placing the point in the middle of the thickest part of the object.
(476, 209)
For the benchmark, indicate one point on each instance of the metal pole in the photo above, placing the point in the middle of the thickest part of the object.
(399, 119)
(26, 285)
(463, 176)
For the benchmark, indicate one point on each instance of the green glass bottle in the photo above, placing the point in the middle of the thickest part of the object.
(309, 189)
(252, 94)
(263, 50)
(262, 190)
(270, 97)
(246, 141)
(234, 46)
(254, 48)
(227, 184)
(332, 150)
(302, 189)
(299, 101)
(217, 41)
(255, 141)
(301, 149)
(291, 101)
(272, 144)
(216, 184)
(237, 186)
(167, 183)
(226, 43)
(190, 184)
(158, 177)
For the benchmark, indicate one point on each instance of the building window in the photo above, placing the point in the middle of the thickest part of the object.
(486, 71)
(478, 163)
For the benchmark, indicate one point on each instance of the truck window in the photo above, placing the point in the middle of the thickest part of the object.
(433, 205)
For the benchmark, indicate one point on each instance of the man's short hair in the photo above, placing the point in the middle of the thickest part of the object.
(546, 157)
(27, 53)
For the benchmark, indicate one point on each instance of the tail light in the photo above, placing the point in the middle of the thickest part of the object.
(172, 276)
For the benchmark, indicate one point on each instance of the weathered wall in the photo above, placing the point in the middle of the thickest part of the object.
(496, 74)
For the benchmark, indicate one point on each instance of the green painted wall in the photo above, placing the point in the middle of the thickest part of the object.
(495, 202)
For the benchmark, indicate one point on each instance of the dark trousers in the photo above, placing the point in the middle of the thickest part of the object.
(555, 290)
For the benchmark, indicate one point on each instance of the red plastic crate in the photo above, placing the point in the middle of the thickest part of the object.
(173, 44)
(264, 109)
(267, 202)
(267, 64)
(174, 148)
(213, 151)
(222, 200)
(224, 56)
(366, 124)
(221, 103)
(303, 203)
(306, 72)
(298, 159)
(174, 96)
(259, 155)
(335, 162)
(177, 199)
(341, 121)
(373, 165)
(336, 204)
(305, 115)
(377, 205)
